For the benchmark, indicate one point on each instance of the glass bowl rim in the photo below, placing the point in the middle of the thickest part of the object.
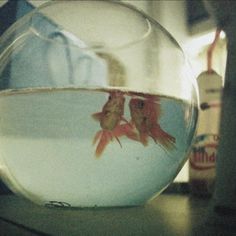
(96, 48)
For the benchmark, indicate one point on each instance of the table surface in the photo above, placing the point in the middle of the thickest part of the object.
(168, 214)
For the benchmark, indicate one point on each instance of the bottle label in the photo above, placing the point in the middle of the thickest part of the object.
(203, 156)
(202, 164)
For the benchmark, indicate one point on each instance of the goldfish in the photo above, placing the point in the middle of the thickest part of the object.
(144, 116)
(111, 118)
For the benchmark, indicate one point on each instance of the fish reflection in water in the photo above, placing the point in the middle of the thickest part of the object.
(144, 116)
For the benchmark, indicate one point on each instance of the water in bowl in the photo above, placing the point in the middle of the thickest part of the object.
(47, 151)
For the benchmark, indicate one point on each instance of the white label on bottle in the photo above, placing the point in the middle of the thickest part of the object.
(203, 157)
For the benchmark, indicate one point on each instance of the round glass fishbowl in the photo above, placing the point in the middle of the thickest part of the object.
(98, 105)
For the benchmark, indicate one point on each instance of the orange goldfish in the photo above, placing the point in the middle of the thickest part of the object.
(144, 115)
(110, 119)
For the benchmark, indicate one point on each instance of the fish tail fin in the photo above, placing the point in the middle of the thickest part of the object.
(164, 139)
(97, 136)
(104, 138)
